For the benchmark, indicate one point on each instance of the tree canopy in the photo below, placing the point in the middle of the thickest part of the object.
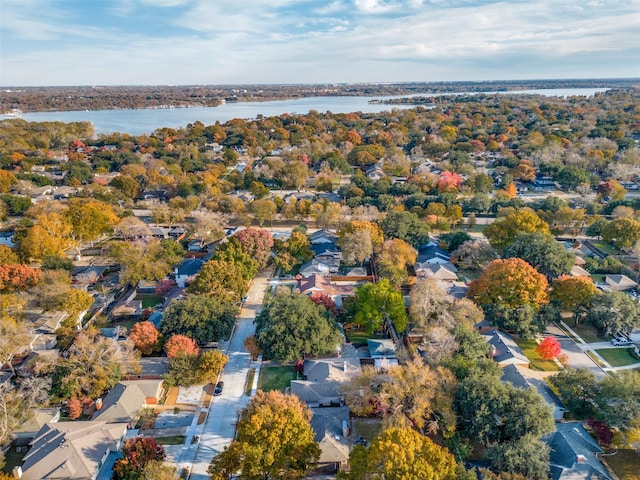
(292, 326)
(274, 439)
(543, 252)
(376, 302)
(504, 230)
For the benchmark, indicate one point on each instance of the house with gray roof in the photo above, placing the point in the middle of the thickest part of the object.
(323, 379)
(121, 404)
(70, 450)
(517, 376)
(574, 454)
(188, 269)
(331, 428)
(504, 350)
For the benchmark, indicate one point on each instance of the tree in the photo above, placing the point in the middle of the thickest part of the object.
(144, 336)
(51, 235)
(231, 251)
(93, 365)
(8, 256)
(180, 344)
(527, 456)
(18, 277)
(376, 302)
(405, 226)
(146, 261)
(17, 404)
(90, 219)
(207, 227)
(323, 299)
(622, 232)
(183, 370)
(292, 326)
(543, 252)
(257, 243)
(454, 240)
(474, 255)
(549, 348)
(511, 283)
(7, 180)
(137, 452)
(221, 279)
(131, 228)
(573, 293)
(504, 230)
(578, 388)
(394, 258)
(619, 399)
(201, 317)
(430, 306)
(401, 453)
(274, 439)
(264, 210)
(210, 365)
(356, 246)
(614, 311)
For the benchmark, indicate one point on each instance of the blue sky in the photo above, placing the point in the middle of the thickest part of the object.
(121, 42)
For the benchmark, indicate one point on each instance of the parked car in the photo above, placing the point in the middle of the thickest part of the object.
(620, 341)
(218, 390)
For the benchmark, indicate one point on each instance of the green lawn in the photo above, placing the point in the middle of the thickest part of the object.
(359, 337)
(607, 248)
(276, 378)
(171, 440)
(250, 377)
(588, 333)
(149, 300)
(367, 428)
(617, 357)
(625, 464)
(528, 347)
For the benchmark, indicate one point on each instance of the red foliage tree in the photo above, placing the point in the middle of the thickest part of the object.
(549, 348)
(604, 433)
(321, 298)
(449, 182)
(163, 286)
(75, 408)
(180, 344)
(137, 453)
(18, 277)
(144, 336)
(257, 243)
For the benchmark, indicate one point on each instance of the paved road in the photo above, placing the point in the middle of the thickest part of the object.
(220, 426)
(576, 356)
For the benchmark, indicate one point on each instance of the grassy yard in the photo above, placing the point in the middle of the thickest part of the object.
(171, 440)
(625, 464)
(367, 428)
(607, 248)
(528, 347)
(588, 333)
(359, 337)
(617, 357)
(149, 300)
(276, 378)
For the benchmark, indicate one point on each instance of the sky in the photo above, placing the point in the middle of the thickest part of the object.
(188, 42)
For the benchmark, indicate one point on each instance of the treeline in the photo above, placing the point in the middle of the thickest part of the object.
(36, 99)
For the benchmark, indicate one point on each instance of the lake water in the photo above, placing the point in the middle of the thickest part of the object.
(137, 122)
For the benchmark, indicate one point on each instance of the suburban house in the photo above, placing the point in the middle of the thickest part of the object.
(6, 238)
(383, 352)
(323, 236)
(314, 267)
(543, 184)
(70, 450)
(431, 253)
(318, 283)
(43, 327)
(322, 380)
(187, 270)
(574, 454)
(125, 399)
(619, 283)
(445, 271)
(504, 351)
(331, 428)
(26, 432)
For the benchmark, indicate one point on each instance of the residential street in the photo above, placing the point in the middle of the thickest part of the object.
(219, 429)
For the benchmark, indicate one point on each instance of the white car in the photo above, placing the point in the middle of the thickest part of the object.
(620, 341)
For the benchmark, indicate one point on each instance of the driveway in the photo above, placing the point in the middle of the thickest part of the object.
(576, 356)
(220, 426)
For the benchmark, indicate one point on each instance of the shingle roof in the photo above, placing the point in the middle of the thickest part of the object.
(327, 425)
(506, 350)
(189, 266)
(121, 404)
(573, 453)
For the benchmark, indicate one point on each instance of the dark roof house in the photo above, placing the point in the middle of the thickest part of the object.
(121, 404)
(504, 350)
(331, 427)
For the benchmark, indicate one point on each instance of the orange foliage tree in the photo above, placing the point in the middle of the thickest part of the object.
(573, 293)
(510, 283)
(18, 277)
(144, 336)
(178, 344)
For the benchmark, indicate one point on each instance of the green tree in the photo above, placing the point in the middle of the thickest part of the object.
(183, 370)
(152, 261)
(619, 399)
(221, 279)
(401, 453)
(264, 210)
(614, 311)
(527, 456)
(274, 439)
(578, 388)
(376, 302)
(292, 326)
(201, 317)
(257, 243)
(504, 230)
(406, 226)
(543, 252)
(622, 232)
(231, 251)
